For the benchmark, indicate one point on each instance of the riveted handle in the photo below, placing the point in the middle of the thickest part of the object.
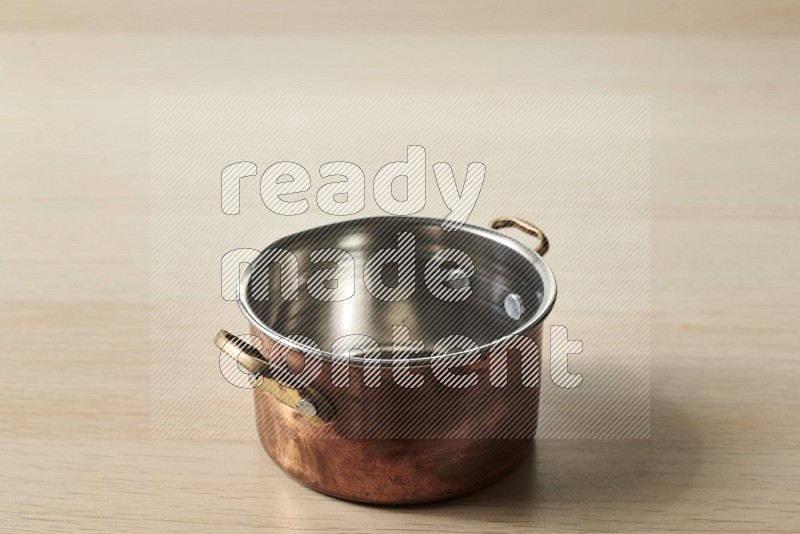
(309, 402)
(541, 247)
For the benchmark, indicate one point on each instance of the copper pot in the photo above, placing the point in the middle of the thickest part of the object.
(424, 415)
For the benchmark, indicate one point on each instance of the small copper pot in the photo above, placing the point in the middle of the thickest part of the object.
(423, 415)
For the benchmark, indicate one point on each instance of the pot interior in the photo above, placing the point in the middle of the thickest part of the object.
(512, 289)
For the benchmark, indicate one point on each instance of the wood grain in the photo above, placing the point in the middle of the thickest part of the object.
(74, 156)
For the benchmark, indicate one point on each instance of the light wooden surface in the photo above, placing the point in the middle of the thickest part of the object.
(75, 86)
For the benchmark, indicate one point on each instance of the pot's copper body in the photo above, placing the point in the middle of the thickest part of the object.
(396, 445)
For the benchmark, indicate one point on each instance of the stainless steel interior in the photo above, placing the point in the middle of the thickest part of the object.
(512, 287)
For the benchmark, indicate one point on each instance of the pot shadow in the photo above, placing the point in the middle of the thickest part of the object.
(562, 474)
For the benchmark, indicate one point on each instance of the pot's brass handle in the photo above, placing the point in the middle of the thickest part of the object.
(504, 222)
(309, 402)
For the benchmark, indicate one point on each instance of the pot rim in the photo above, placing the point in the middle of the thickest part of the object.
(544, 309)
